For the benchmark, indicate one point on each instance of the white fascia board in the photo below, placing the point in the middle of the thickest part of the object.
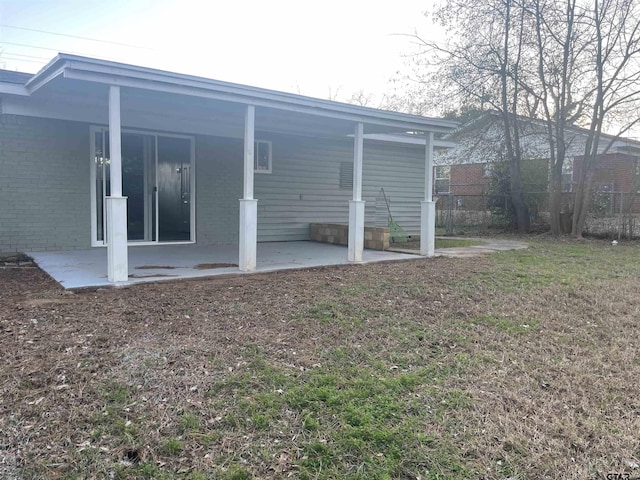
(183, 89)
(38, 80)
(42, 73)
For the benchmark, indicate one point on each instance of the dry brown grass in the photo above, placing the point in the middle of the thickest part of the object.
(516, 365)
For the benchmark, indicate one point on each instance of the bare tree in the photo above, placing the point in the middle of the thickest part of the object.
(558, 48)
(616, 100)
(333, 93)
(482, 67)
(361, 98)
(566, 62)
(587, 74)
(510, 113)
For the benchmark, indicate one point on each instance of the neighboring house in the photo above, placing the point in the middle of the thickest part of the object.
(96, 153)
(466, 169)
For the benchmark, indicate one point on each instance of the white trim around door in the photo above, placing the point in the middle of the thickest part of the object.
(151, 192)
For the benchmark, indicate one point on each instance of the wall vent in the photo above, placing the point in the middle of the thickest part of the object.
(346, 175)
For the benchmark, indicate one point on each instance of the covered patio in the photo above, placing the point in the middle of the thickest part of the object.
(86, 268)
(167, 175)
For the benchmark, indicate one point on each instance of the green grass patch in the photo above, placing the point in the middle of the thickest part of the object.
(117, 394)
(235, 472)
(519, 364)
(172, 447)
(353, 422)
(508, 325)
(456, 242)
(189, 422)
(543, 264)
(338, 313)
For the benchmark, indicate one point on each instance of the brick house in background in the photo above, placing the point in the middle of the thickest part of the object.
(466, 171)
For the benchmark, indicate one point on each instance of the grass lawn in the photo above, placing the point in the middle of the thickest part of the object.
(455, 242)
(440, 243)
(517, 365)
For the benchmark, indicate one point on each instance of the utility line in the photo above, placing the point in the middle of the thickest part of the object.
(7, 57)
(44, 48)
(74, 36)
(104, 57)
(24, 55)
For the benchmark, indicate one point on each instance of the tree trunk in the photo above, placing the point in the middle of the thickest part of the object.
(523, 220)
(555, 197)
(555, 201)
(582, 204)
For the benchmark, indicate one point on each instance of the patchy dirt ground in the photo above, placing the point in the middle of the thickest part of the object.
(516, 365)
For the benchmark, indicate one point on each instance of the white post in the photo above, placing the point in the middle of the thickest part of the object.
(356, 206)
(117, 253)
(248, 238)
(428, 206)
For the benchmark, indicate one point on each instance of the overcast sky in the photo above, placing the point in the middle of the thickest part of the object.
(311, 47)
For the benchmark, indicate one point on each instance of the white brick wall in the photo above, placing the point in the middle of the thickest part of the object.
(44, 184)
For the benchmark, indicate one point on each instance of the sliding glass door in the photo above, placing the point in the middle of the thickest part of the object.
(157, 179)
(174, 188)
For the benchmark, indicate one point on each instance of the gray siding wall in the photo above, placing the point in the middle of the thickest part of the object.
(399, 169)
(45, 195)
(304, 186)
(44, 184)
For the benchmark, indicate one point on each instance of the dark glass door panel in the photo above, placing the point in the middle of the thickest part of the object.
(174, 189)
(133, 184)
(158, 186)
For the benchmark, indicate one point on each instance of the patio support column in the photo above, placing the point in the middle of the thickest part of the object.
(428, 206)
(248, 238)
(117, 253)
(356, 206)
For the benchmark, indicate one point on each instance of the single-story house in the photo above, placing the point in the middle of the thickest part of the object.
(98, 154)
(466, 169)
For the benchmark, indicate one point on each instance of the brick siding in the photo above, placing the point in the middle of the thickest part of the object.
(468, 179)
(218, 189)
(615, 171)
(44, 184)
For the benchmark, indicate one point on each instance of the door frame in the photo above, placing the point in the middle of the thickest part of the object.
(93, 129)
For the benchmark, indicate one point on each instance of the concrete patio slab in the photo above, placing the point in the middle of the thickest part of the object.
(485, 245)
(88, 268)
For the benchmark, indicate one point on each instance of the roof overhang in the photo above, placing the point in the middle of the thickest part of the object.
(627, 146)
(111, 73)
(438, 143)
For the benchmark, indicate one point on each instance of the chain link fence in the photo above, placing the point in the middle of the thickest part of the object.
(612, 214)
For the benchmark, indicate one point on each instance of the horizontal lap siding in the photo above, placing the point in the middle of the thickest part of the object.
(304, 186)
(44, 184)
(399, 169)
